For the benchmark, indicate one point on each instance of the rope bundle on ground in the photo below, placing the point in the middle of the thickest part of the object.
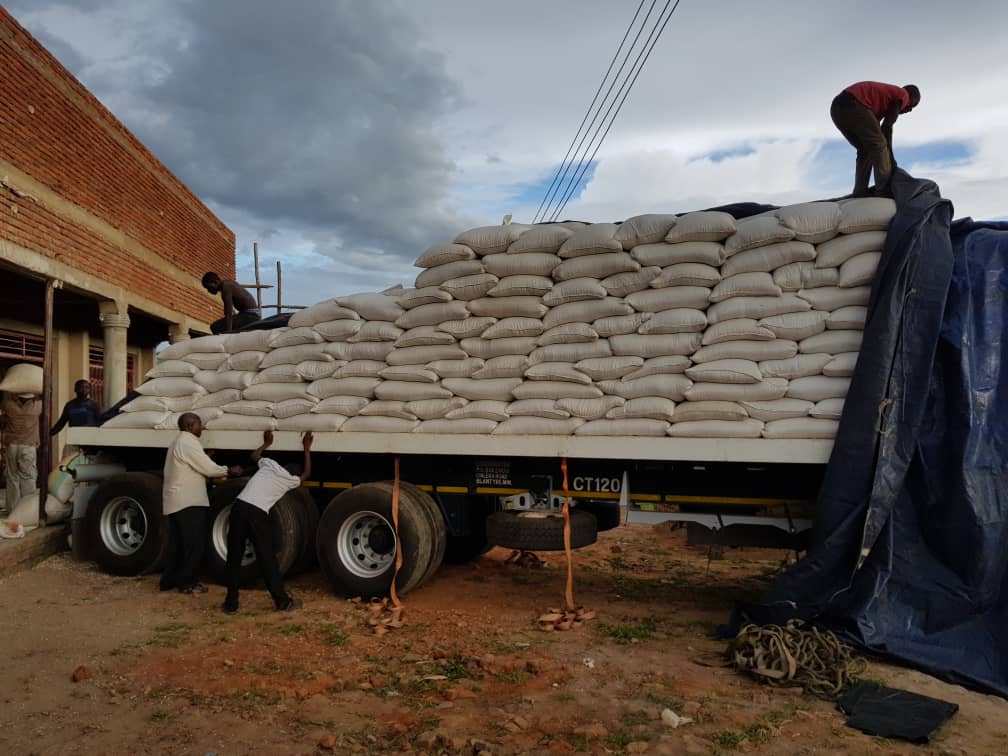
(794, 655)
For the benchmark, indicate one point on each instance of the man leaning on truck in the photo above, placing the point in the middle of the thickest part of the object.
(185, 502)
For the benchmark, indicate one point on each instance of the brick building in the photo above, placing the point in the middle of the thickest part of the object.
(84, 203)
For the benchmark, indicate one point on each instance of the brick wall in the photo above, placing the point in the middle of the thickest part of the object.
(54, 130)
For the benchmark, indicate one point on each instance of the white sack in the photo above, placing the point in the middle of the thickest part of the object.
(717, 429)
(644, 408)
(777, 409)
(146, 419)
(725, 371)
(756, 307)
(694, 411)
(836, 252)
(438, 275)
(528, 264)
(508, 307)
(707, 225)
(795, 367)
(512, 328)
(362, 424)
(804, 275)
(276, 392)
(644, 229)
(568, 333)
(757, 351)
(505, 366)
(610, 368)
(668, 385)
(474, 389)
(423, 354)
(314, 423)
(757, 231)
(466, 328)
(472, 426)
(590, 409)
(373, 306)
(621, 284)
(859, 270)
(442, 254)
(832, 342)
(769, 388)
(574, 290)
(170, 387)
(170, 369)
(544, 238)
(309, 316)
(686, 274)
(487, 240)
(347, 406)
(866, 214)
(587, 311)
(482, 409)
(427, 295)
(596, 239)
(410, 391)
(768, 258)
(831, 298)
(801, 427)
(522, 286)
(796, 325)
(663, 255)
(595, 266)
(757, 284)
(537, 426)
(623, 427)
(812, 222)
(677, 320)
(363, 387)
(489, 348)
(456, 368)
(655, 346)
(571, 352)
(815, 388)
(617, 325)
(737, 329)
(841, 366)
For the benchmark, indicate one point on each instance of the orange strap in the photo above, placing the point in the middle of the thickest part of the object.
(567, 537)
(395, 528)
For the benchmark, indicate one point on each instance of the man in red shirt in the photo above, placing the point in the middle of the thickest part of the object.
(857, 112)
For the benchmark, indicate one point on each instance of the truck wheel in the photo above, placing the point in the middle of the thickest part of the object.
(535, 531)
(126, 531)
(308, 514)
(357, 544)
(439, 531)
(607, 513)
(287, 534)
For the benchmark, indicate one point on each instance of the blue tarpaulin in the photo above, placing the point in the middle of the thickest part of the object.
(910, 546)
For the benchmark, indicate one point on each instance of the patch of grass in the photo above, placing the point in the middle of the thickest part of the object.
(456, 668)
(635, 718)
(566, 697)
(293, 629)
(628, 632)
(513, 676)
(755, 734)
(619, 740)
(171, 627)
(336, 636)
(617, 562)
(124, 649)
(162, 716)
(496, 727)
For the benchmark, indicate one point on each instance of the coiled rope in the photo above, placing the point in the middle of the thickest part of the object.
(795, 655)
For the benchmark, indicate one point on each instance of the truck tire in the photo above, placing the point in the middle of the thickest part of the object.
(127, 533)
(439, 531)
(288, 535)
(357, 545)
(533, 531)
(308, 513)
(607, 513)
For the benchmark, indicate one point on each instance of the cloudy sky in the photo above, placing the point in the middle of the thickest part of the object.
(348, 136)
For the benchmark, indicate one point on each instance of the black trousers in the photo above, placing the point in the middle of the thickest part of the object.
(238, 321)
(861, 128)
(188, 530)
(251, 523)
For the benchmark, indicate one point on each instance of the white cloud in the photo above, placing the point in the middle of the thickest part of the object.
(347, 137)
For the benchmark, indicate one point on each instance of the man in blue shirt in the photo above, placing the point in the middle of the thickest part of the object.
(79, 411)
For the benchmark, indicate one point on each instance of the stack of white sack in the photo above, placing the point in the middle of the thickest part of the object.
(695, 325)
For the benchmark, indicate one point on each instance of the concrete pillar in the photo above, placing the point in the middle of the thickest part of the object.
(115, 322)
(178, 332)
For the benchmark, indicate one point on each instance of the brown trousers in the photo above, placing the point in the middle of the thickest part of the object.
(861, 128)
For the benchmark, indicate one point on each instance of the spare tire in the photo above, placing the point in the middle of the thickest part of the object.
(288, 535)
(127, 533)
(539, 531)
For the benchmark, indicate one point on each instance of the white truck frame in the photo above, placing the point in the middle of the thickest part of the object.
(460, 495)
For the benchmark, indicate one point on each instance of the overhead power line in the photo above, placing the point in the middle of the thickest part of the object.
(636, 69)
(573, 169)
(561, 172)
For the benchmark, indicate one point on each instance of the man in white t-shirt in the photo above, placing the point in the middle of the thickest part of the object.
(250, 520)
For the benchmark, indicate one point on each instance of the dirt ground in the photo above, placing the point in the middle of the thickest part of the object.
(469, 672)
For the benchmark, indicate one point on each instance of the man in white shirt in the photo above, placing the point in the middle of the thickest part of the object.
(185, 503)
(250, 520)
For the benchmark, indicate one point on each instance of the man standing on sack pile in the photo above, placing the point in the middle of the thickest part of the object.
(185, 503)
(19, 423)
(856, 112)
(250, 519)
